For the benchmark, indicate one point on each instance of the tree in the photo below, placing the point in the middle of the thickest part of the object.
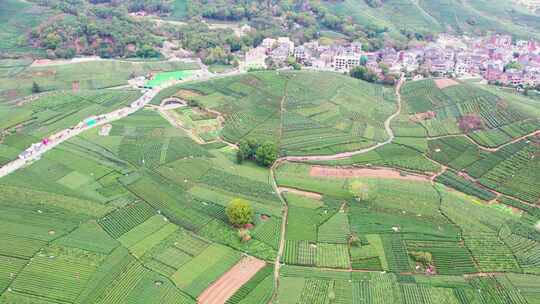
(52, 41)
(35, 88)
(146, 51)
(384, 68)
(362, 72)
(514, 65)
(239, 212)
(246, 150)
(266, 154)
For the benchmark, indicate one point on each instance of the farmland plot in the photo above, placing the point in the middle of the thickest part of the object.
(489, 117)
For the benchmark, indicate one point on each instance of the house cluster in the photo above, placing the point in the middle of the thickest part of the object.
(496, 58)
(325, 57)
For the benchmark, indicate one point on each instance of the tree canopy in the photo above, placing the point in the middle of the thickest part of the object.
(263, 154)
(239, 212)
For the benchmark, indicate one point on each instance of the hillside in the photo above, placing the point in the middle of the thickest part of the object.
(64, 29)
(432, 16)
(489, 117)
(135, 211)
(16, 18)
(155, 168)
(305, 112)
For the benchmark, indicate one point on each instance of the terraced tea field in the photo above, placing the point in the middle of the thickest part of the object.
(306, 113)
(138, 215)
(488, 117)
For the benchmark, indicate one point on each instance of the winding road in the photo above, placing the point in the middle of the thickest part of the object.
(38, 149)
(56, 139)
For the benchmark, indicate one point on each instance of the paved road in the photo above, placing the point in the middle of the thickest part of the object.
(54, 140)
(38, 149)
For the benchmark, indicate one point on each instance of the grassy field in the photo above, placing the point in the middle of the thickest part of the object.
(309, 285)
(428, 16)
(138, 216)
(164, 77)
(489, 116)
(16, 79)
(323, 113)
(29, 123)
(128, 211)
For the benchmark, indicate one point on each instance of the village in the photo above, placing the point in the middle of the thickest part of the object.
(498, 59)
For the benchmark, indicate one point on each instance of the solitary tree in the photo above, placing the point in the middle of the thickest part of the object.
(239, 212)
(35, 88)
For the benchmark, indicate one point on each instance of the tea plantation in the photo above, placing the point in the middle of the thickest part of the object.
(440, 214)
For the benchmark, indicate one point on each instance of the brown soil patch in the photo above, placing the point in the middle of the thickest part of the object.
(11, 94)
(422, 116)
(251, 81)
(445, 83)
(75, 86)
(502, 104)
(186, 94)
(318, 171)
(222, 289)
(470, 122)
(308, 194)
(44, 73)
(41, 62)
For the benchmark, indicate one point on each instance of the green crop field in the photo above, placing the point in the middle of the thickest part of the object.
(497, 117)
(306, 112)
(439, 215)
(16, 80)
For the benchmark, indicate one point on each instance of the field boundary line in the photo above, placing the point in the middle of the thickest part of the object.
(279, 161)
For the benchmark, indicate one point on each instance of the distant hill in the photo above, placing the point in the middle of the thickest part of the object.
(461, 16)
(65, 28)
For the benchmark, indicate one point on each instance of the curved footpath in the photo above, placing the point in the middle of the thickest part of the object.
(277, 163)
(337, 156)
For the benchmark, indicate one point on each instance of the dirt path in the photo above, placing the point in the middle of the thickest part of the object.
(475, 181)
(376, 172)
(225, 287)
(434, 176)
(488, 149)
(174, 120)
(277, 263)
(313, 195)
(282, 112)
(537, 132)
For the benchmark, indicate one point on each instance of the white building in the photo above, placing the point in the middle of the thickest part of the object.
(286, 42)
(268, 44)
(255, 58)
(346, 61)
